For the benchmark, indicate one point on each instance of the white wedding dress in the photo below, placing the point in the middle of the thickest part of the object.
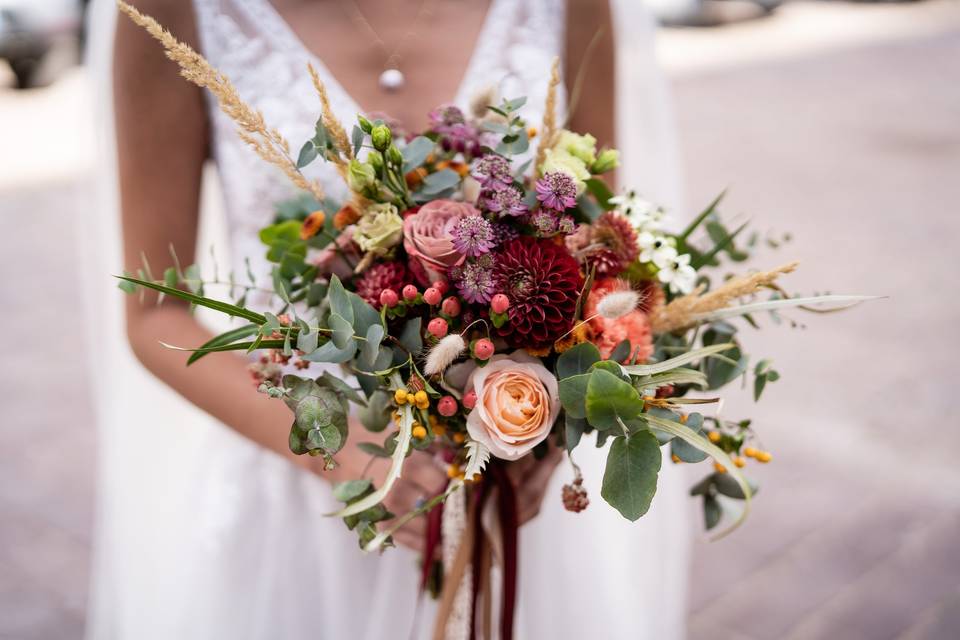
(202, 534)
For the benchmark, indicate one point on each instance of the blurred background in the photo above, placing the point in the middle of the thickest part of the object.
(836, 121)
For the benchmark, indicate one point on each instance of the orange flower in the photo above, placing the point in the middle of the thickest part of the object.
(312, 225)
(517, 404)
(461, 168)
(415, 177)
(634, 326)
(345, 217)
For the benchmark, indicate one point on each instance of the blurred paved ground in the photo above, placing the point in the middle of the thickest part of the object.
(853, 144)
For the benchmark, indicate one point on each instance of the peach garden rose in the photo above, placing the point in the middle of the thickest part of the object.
(517, 404)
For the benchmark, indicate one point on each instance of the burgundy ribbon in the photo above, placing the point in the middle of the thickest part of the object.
(507, 511)
(432, 541)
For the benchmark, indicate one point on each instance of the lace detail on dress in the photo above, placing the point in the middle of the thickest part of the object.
(250, 42)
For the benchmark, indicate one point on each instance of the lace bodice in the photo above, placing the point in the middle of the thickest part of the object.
(250, 42)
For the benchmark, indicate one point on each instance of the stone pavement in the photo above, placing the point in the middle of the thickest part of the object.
(855, 150)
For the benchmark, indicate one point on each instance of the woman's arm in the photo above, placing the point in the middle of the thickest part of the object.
(162, 138)
(593, 62)
(161, 147)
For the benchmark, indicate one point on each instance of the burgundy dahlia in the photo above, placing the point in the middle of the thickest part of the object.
(383, 275)
(543, 283)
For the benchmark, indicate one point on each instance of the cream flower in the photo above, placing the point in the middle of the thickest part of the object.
(379, 229)
(563, 161)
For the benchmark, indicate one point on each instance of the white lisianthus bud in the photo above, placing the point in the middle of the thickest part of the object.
(617, 304)
(444, 353)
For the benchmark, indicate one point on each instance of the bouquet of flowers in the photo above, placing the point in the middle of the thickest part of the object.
(491, 302)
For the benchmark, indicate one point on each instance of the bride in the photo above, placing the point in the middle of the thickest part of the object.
(208, 527)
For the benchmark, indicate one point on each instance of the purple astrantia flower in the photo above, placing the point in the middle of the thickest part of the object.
(504, 232)
(505, 200)
(566, 225)
(474, 279)
(473, 236)
(456, 134)
(557, 191)
(493, 171)
(544, 221)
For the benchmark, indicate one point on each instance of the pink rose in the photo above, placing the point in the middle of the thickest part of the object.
(517, 404)
(428, 238)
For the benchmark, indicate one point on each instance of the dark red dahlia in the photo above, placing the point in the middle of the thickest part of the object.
(543, 283)
(383, 275)
(615, 243)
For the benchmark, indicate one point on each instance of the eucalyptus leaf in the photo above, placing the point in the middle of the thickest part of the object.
(416, 152)
(630, 477)
(410, 336)
(440, 181)
(339, 300)
(610, 401)
(712, 512)
(573, 431)
(351, 490)
(573, 394)
(342, 330)
(577, 360)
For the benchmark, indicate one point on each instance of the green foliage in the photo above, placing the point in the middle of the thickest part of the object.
(601, 192)
(763, 373)
(225, 338)
(320, 418)
(630, 477)
(573, 394)
(416, 152)
(577, 360)
(682, 448)
(610, 401)
(210, 303)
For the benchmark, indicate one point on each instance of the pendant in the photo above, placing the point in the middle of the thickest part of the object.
(392, 80)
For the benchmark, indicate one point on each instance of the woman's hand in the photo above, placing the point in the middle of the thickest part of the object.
(423, 476)
(530, 478)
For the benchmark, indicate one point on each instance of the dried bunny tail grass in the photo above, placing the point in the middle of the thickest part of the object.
(268, 143)
(617, 304)
(682, 313)
(444, 353)
(337, 132)
(549, 128)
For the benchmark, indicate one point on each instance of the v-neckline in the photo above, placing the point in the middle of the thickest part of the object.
(334, 85)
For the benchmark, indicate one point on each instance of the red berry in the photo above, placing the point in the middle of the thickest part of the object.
(432, 296)
(438, 327)
(409, 292)
(499, 303)
(447, 406)
(470, 399)
(451, 307)
(483, 349)
(389, 298)
(441, 286)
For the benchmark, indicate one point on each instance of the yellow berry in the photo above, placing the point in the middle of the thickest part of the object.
(432, 419)
(400, 395)
(419, 432)
(750, 452)
(439, 430)
(461, 476)
(714, 436)
(719, 467)
(420, 397)
(683, 418)
(459, 438)
(764, 456)
(740, 462)
(675, 458)
(453, 471)
(531, 132)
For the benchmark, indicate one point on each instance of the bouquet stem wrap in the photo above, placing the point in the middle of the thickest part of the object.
(488, 537)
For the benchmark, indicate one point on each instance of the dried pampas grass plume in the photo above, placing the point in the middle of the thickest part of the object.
(268, 143)
(444, 353)
(683, 312)
(549, 128)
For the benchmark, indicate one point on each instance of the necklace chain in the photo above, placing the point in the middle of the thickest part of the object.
(392, 57)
